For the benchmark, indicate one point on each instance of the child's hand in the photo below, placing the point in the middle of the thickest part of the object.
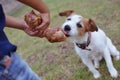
(30, 31)
(44, 25)
(45, 21)
(37, 23)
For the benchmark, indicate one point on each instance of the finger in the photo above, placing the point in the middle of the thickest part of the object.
(31, 33)
(43, 26)
(40, 26)
(41, 34)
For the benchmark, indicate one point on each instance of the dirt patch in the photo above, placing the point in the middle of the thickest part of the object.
(50, 58)
(33, 59)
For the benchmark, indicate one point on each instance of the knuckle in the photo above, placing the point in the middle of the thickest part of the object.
(47, 22)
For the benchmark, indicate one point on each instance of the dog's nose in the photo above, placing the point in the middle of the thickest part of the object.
(67, 28)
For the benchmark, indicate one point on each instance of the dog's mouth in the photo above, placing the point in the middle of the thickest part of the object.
(66, 33)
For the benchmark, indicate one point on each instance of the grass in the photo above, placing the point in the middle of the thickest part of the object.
(59, 61)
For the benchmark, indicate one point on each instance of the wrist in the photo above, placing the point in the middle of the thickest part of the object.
(23, 26)
(45, 11)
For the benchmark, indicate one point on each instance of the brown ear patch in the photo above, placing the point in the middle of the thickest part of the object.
(92, 26)
(89, 25)
(66, 13)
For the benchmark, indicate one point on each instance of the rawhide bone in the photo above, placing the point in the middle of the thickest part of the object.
(53, 34)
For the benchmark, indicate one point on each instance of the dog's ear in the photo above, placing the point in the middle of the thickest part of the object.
(92, 26)
(66, 13)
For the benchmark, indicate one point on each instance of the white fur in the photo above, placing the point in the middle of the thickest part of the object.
(100, 45)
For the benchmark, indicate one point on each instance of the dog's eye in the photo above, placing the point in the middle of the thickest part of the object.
(69, 19)
(79, 25)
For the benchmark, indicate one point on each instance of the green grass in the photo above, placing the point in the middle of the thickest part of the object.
(59, 61)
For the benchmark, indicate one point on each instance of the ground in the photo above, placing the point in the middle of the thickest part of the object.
(58, 61)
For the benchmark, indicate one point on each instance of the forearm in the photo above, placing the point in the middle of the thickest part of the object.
(14, 23)
(36, 4)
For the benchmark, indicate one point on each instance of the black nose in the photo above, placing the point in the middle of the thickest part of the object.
(67, 28)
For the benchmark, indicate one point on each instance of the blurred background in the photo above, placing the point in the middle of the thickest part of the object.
(11, 6)
(58, 61)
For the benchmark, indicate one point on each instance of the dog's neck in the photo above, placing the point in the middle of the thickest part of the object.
(84, 41)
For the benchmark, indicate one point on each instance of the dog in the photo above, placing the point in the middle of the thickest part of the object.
(90, 42)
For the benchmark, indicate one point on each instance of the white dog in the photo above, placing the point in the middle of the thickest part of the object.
(90, 42)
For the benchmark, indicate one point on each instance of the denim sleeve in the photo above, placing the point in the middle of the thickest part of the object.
(2, 18)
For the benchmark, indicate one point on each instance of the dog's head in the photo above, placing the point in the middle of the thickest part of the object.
(76, 25)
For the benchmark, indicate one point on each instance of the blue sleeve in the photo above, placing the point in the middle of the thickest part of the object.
(2, 18)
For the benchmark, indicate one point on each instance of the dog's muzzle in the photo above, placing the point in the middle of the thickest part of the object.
(67, 29)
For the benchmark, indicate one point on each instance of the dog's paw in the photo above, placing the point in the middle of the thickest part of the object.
(97, 65)
(117, 57)
(97, 75)
(114, 73)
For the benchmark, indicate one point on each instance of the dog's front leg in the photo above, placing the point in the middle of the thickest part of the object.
(96, 63)
(88, 62)
(113, 72)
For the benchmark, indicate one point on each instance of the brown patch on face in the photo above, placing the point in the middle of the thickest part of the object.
(88, 26)
(82, 30)
(66, 13)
